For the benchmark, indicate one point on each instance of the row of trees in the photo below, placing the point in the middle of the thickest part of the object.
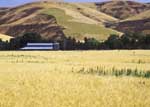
(87, 44)
(126, 41)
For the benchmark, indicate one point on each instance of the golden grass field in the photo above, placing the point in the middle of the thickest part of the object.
(49, 79)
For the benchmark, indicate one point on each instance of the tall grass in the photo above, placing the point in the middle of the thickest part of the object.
(102, 71)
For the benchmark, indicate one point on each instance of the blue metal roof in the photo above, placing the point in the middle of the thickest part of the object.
(40, 46)
(37, 48)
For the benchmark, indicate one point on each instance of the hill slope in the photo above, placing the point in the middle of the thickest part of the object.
(41, 23)
(19, 20)
(73, 18)
(5, 37)
(138, 26)
(143, 15)
(122, 9)
(3, 8)
(138, 23)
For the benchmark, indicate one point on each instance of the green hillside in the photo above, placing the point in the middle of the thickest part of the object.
(77, 29)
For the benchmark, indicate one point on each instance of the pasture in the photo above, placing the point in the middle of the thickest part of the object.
(75, 78)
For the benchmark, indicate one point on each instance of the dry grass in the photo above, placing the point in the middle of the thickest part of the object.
(5, 37)
(143, 15)
(45, 79)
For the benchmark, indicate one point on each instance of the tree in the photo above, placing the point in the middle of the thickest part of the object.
(147, 39)
(91, 43)
(18, 42)
(31, 37)
(15, 43)
(114, 42)
(70, 43)
(145, 42)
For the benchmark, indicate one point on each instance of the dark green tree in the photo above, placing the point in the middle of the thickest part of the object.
(114, 42)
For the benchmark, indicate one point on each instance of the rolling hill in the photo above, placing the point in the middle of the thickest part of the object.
(133, 16)
(52, 19)
(138, 26)
(138, 23)
(122, 9)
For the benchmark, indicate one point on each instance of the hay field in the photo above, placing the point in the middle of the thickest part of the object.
(50, 79)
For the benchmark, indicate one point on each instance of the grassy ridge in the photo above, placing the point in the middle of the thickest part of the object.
(77, 29)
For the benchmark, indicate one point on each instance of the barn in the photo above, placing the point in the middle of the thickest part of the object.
(41, 46)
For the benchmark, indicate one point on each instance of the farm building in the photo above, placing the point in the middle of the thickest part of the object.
(41, 46)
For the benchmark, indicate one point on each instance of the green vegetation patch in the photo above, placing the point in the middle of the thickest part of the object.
(102, 71)
(77, 29)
